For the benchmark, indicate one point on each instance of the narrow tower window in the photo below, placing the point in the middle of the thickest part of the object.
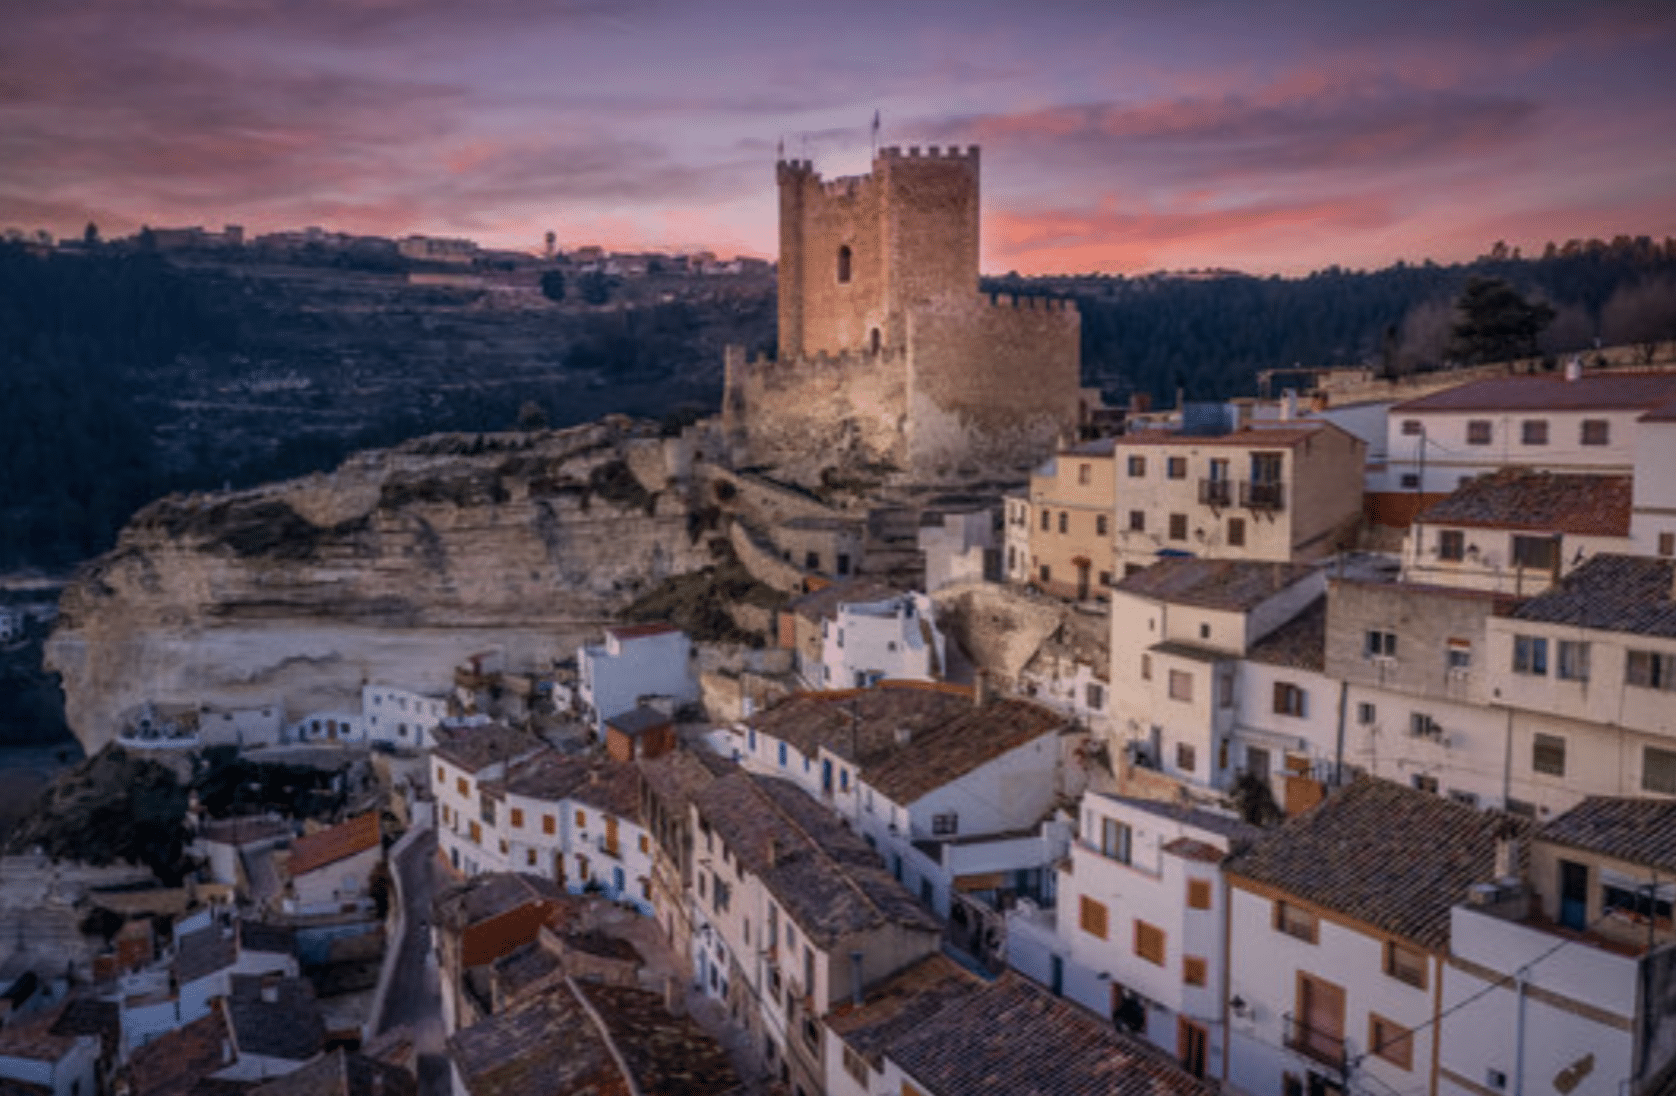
(873, 340)
(844, 263)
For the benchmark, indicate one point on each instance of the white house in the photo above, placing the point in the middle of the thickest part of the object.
(1287, 711)
(329, 726)
(1338, 932)
(958, 547)
(1519, 530)
(1559, 970)
(41, 1061)
(463, 759)
(1179, 629)
(1138, 930)
(1653, 513)
(894, 638)
(635, 661)
(329, 870)
(242, 727)
(401, 717)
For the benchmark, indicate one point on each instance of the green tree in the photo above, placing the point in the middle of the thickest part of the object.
(1494, 323)
(90, 234)
(552, 284)
(595, 287)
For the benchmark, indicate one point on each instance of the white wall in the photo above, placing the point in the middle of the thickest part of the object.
(870, 641)
(401, 717)
(612, 678)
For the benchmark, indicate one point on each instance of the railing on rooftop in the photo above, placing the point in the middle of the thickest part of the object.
(1263, 495)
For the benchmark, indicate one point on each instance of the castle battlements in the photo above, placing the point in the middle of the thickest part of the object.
(1030, 302)
(932, 152)
(822, 360)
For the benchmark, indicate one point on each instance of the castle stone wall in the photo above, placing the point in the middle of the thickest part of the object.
(805, 414)
(993, 384)
(817, 311)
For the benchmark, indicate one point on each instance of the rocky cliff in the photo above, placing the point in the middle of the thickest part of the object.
(391, 569)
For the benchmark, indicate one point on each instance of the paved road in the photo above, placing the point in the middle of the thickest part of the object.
(414, 997)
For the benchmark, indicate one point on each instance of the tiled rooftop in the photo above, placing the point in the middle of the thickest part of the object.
(35, 1039)
(204, 952)
(970, 739)
(244, 831)
(669, 1056)
(527, 967)
(275, 1017)
(1524, 498)
(827, 879)
(1299, 644)
(1234, 585)
(1264, 437)
(474, 748)
(823, 604)
(1597, 392)
(1384, 854)
(328, 846)
(490, 895)
(901, 1003)
(1640, 831)
(91, 1016)
(678, 777)
(613, 787)
(341, 1073)
(544, 1045)
(1612, 593)
(175, 1062)
(638, 720)
(1012, 1038)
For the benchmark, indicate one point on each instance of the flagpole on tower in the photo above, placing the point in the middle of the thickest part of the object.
(875, 135)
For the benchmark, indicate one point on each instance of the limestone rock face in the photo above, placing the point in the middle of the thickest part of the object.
(390, 570)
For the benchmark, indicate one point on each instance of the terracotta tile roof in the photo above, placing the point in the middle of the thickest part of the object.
(1299, 644)
(341, 1073)
(823, 604)
(474, 748)
(531, 966)
(1525, 498)
(36, 1039)
(1611, 593)
(1189, 849)
(489, 895)
(668, 1055)
(971, 739)
(1382, 853)
(1597, 392)
(339, 842)
(1641, 831)
(901, 1003)
(640, 631)
(175, 1062)
(545, 1046)
(275, 1017)
(827, 879)
(679, 776)
(1266, 437)
(1664, 412)
(638, 720)
(1235, 585)
(91, 1016)
(1013, 1038)
(612, 786)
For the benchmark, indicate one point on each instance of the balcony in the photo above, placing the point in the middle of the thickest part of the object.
(1320, 1046)
(1262, 495)
(1216, 492)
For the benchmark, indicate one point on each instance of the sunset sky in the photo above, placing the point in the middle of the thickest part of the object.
(1117, 136)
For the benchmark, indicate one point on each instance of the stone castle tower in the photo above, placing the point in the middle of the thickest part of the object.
(888, 354)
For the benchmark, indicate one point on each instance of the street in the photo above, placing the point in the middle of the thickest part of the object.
(414, 998)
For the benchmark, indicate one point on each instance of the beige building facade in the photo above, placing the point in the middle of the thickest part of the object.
(1067, 518)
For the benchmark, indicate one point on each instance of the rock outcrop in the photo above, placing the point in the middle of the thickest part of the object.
(391, 569)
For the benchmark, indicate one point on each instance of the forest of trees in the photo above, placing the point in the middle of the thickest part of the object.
(79, 335)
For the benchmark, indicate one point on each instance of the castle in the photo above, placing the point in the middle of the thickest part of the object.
(888, 353)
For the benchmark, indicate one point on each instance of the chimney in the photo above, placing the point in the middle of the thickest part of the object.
(980, 689)
(1574, 369)
(270, 993)
(1289, 405)
(1507, 859)
(855, 978)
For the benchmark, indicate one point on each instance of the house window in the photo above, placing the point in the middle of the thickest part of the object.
(1548, 755)
(1137, 521)
(1573, 660)
(1149, 942)
(1047, 573)
(811, 561)
(581, 820)
(1192, 970)
(1479, 431)
(1596, 432)
(1096, 696)
(1181, 685)
(1424, 782)
(1530, 655)
(1047, 520)
(1295, 921)
(1405, 964)
(1658, 770)
(1084, 474)
(1379, 644)
(1539, 553)
(645, 845)
(843, 563)
(1422, 725)
(486, 808)
(1092, 917)
(944, 824)
(1366, 713)
(529, 858)
(1457, 656)
(1410, 479)
(1198, 894)
(1186, 758)
(1667, 544)
(517, 818)
(1146, 667)
(1411, 427)
(1451, 545)
(1236, 532)
(462, 787)
(1650, 670)
(476, 832)
(1534, 432)
(1390, 1041)
(856, 1066)
(1178, 526)
(1288, 699)
(721, 893)
(1137, 467)
(1064, 521)
(1114, 840)
(844, 264)
(1102, 525)
(1176, 468)
(782, 755)
(1105, 578)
